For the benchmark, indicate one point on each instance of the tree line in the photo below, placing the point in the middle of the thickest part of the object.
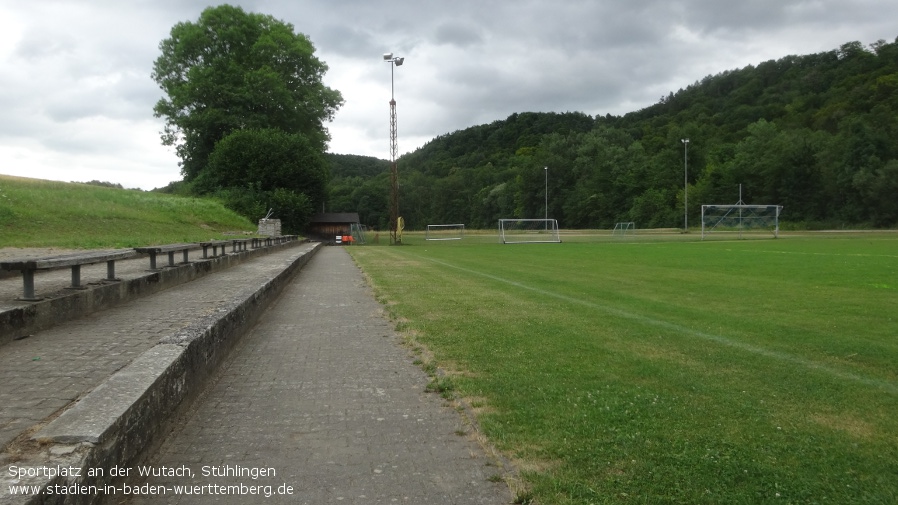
(245, 108)
(817, 134)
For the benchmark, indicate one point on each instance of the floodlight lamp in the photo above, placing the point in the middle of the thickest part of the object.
(685, 141)
(388, 56)
(398, 61)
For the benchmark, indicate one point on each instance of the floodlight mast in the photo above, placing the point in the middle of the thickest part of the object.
(394, 171)
(685, 185)
(546, 194)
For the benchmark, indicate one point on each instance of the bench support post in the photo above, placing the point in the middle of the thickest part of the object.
(76, 276)
(110, 271)
(28, 281)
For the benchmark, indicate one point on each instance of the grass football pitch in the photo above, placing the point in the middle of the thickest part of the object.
(665, 371)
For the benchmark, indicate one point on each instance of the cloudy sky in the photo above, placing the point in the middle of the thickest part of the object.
(76, 94)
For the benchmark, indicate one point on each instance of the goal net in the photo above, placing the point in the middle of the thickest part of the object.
(624, 229)
(528, 231)
(741, 219)
(445, 232)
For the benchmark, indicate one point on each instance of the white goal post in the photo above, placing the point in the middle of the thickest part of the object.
(623, 229)
(445, 232)
(528, 231)
(740, 218)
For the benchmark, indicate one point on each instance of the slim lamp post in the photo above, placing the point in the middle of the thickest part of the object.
(546, 214)
(685, 185)
(394, 171)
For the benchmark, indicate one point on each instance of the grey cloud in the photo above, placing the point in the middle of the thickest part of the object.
(458, 34)
(37, 46)
(345, 40)
(468, 62)
(763, 16)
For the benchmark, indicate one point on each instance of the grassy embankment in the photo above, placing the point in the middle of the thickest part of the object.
(758, 371)
(38, 213)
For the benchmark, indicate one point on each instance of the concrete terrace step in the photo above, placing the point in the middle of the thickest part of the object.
(127, 366)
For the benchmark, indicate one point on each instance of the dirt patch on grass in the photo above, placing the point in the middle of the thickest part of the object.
(533, 465)
(850, 425)
(480, 405)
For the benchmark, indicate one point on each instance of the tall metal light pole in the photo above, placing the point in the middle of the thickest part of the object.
(394, 171)
(546, 216)
(685, 185)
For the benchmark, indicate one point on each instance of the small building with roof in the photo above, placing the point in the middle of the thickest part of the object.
(330, 225)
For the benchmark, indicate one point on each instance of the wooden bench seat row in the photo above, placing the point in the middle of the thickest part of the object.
(237, 245)
(29, 266)
(269, 241)
(74, 260)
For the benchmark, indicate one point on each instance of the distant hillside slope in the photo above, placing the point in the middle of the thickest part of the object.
(38, 213)
(815, 133)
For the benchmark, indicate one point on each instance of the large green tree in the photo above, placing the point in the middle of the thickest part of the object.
(232, 70)
(269, 158)
(253, 171)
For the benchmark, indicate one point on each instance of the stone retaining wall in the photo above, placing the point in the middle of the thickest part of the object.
(123, 419)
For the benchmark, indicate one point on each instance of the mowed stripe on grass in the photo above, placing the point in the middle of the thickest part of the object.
(888, 386)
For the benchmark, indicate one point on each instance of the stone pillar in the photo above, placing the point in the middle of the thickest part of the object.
(270, 227)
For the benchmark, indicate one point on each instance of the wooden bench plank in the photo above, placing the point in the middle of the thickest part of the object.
(170, 249)
(165, 248)
(67, 260)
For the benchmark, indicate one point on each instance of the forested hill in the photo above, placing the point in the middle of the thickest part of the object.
(817, 134)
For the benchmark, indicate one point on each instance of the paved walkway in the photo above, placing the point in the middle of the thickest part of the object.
(322, 398)
(44, 373)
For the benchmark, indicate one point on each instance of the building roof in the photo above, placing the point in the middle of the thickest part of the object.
(335, 217)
